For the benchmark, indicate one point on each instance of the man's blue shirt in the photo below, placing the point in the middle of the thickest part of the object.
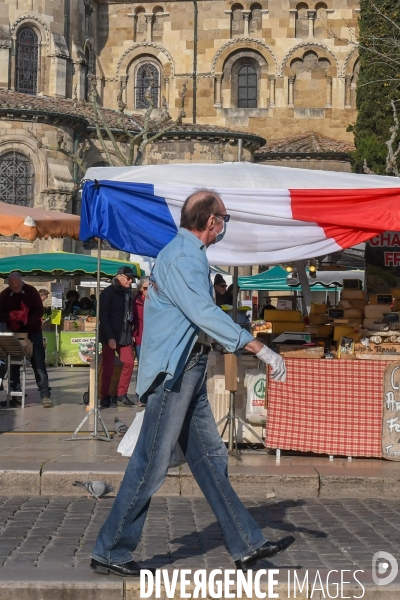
(180, 305)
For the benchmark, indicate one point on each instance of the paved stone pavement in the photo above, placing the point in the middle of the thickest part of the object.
(44, 532)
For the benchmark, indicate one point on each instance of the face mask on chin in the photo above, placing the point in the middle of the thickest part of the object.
(220, 236)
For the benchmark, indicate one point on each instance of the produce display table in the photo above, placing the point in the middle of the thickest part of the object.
(328, 406)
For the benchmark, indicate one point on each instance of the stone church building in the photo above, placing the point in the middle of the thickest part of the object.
(278, 74)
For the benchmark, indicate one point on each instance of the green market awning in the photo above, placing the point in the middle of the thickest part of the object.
(274, 280)
(63, 263)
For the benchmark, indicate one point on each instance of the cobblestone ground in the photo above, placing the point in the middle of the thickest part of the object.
(183, 533)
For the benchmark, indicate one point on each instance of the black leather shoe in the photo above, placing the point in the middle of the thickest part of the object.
(128, 569)
(265, 551)
(125, 400)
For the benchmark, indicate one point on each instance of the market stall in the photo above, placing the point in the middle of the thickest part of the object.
(278, 215)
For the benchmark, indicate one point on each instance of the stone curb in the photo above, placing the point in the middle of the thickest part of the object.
(54, 478)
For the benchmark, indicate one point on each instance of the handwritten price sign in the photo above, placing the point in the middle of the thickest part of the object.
(391, 413)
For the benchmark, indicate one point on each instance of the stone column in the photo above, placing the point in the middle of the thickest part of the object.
(149, 23)
(246, 17)
(271, 90)
(328, 91)
(166, 84)
(347, 91)
(311, 17)
(218, 80)
(291, 91)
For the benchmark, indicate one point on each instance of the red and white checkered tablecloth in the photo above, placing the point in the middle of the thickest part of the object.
(327, 407)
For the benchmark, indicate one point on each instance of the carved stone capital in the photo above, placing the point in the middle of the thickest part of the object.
(58, 201)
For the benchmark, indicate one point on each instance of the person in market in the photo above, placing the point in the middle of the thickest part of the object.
(44, 294)
(222, 296)
(72, 304)
(115, 335)
(178, 311)
(21, 308)
(138, 307)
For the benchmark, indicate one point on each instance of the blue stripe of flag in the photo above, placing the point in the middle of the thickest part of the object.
(128, 215)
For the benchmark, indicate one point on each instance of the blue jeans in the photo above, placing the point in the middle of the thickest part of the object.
(183, 413)
(138, 352)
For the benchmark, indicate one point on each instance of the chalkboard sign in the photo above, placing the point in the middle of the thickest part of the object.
(391, 413)
(384, 298)
(352, 284)
(336, 313)
(392, 317)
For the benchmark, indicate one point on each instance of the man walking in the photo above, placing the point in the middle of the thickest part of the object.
(115, 335)
(21, 308)
(171, 380)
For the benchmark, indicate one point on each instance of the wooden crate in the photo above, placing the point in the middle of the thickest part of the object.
(25, 342)
(74, 325)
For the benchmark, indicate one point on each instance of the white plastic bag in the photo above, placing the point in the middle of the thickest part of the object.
(129, 441)
(255, 380)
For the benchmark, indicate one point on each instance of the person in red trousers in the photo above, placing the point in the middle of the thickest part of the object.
(115, 335)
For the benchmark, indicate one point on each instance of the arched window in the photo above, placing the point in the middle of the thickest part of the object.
(147, 73)
(16, 179)
(247, 87)
(26, 61)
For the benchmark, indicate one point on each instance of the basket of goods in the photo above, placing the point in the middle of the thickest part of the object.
(261, 325)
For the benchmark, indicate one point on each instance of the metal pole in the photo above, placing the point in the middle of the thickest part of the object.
(235, 293)
(305, 286)
(96, 342)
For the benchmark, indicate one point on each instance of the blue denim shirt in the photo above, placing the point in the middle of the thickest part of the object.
(179, 305)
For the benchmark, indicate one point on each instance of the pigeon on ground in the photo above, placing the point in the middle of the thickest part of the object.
(96, 489)
(120, 427)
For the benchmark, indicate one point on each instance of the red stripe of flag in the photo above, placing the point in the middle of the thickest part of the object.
(348, 216)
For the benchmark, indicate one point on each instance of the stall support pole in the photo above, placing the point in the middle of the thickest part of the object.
(305, 286)
(95, 411)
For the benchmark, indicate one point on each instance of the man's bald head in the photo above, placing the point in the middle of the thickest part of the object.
(15, 282)
(197, 209)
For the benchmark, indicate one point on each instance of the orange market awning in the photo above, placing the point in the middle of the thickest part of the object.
(33, 223)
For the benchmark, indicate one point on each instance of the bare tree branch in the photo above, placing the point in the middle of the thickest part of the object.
(391, 158)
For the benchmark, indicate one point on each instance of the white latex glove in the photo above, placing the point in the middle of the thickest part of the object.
(275, 361)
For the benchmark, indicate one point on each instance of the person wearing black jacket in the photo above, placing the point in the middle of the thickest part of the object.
(115, 335)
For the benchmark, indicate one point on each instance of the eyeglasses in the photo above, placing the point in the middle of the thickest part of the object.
(127, 277)
(223, 217)
(221, 285)
(145, 288)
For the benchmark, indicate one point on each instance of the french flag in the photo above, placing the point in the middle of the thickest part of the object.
(273, 220)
